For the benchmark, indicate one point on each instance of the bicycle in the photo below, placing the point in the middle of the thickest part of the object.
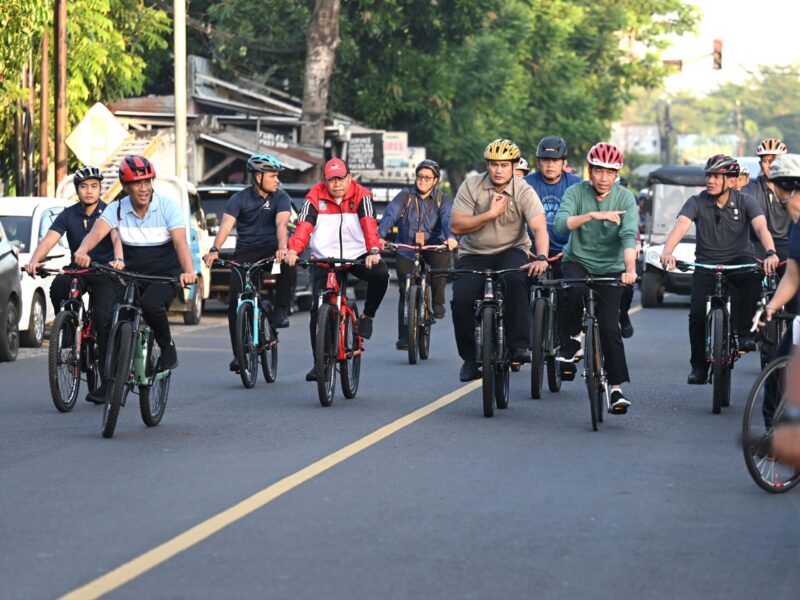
(337, 341)
(133, 356)
(545, 343)
(774, 329)
(418, 314)
(73, 344)
(721, 345)
(255, 338)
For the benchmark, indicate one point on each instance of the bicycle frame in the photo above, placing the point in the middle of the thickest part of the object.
(419, 274)
(251, 293)
(550, 294)
(332, 294)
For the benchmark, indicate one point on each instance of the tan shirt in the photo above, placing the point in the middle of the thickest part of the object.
(509, 230)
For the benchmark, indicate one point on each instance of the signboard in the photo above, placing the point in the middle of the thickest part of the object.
(365, 151)
(97, 136)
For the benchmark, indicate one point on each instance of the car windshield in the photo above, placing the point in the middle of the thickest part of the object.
(214, 202)
(18, 230)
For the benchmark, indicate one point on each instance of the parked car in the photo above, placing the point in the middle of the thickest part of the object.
(26, 221)
(10, 299)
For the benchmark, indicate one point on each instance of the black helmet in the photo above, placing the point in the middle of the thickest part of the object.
(551, 146)
(86, 172)
(722, 164)
(428, 164)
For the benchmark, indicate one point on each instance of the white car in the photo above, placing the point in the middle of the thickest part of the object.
(656, 281)
(26, 220)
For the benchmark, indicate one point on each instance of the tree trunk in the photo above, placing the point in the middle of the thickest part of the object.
(322, 39)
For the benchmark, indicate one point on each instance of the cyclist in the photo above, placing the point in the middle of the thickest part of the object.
(153, 233)
(75, 222)
(492, 212)
(522, 168)
(601, 219)
(744, 177)
(338, 220)
(260, 214)
(778, 219)
(723, 217)
(420, 208)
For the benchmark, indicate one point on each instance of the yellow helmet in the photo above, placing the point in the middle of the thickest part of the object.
(502, 150)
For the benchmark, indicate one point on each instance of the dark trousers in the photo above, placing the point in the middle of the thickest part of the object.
(377, 279)
(745, 291)
(469, 288)
(104, 293)
(283, 284)
(626, 300)
(155, 299)
(435, 260)
(606, 308)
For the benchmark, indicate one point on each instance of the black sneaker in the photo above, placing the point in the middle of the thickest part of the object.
(698, 376)
(625, 325)
(234, 366)
(280, 318)
(619, 403)
(519, 355)
(469, 371)
(312, 374)
(98, 396)
(570, 351)
(169, 357)
(439, 311)
(364, 327)
(401, 344)
(747, 343)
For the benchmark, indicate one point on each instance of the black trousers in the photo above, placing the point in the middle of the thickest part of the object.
(435, 260)
(283, 284)
(469, 288)
(377, 279)
(607, 302)
(104, 292)
(626, 300)
(155, 299)
(745, 291)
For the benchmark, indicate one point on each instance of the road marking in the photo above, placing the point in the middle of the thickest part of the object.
(147, 561)
(635, 309)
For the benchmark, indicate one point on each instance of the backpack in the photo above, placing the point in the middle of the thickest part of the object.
(437, 198)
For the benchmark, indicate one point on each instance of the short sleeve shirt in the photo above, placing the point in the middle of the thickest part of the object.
(510, 230)
(75, 224)
(255, 216)
(723, 234)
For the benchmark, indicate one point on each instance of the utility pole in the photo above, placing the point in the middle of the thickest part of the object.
(740, 141)
(44, 115)
(179, 18)
(61, 89)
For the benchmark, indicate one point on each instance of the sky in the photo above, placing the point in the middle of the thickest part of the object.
(752, 33)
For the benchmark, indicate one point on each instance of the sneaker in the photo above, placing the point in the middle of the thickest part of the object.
(469, 371)
(698, 376)
(312, 374)
(619, 403)
(234, 366)
(401, 344)
(98, 396)
(280, 318)
(571, 351)
(625, 325)
(439, 311)
(169, 357)
(747, 343)
(364, 327)
(519, 355)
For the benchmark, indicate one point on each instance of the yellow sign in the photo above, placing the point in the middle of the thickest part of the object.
(97, 136)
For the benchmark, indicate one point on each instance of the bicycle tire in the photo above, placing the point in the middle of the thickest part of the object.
(350, 368)
(153, 397)
(119, 367)
(412, 322)
(487, 359)
(538, 328)
(426, 318)
(246, 354)
(591, 370)
(501, 384)
(63, 364)
(553, 366)
(325, 353)
(719, 362)
(769, 475)
(269, 348)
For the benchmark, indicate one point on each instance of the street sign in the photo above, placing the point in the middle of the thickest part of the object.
(97, 136)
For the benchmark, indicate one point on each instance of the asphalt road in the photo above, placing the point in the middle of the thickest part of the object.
(264, 493)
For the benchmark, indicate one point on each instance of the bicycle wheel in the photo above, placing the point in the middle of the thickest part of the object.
(425, 320)
(768, 341)
(720, 368)
(118, 368)
(538, 328)
(591, 370)
(551, 341)
(63, 361)
(153, 397)
(501, 384)
(350, 368)
(412, 322)
(487, 359)
(246, 354)
(765, 404)
(269, 348)
(326, 350)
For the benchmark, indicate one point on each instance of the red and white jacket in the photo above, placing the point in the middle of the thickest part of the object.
(345, 229)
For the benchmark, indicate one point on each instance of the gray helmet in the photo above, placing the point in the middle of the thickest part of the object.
(551, 146)
(785, 171)
(429, 164)
(523, 165)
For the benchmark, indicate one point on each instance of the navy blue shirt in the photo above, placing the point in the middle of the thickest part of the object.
(551, 195)
(794, 242)
(255, 216)
(76, 225)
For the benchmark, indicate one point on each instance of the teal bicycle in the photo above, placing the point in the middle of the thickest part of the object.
(256, 338)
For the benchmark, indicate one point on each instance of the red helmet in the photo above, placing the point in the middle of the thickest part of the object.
(605, 155)
(136, 168)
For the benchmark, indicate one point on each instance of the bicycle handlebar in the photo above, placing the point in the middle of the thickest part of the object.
(248, 265)
(483, 272)
(566, 282)
(685, 265)
(330, 262)
(133, 275)
(434, 247)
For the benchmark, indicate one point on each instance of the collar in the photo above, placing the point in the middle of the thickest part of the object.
(153, 207)
(487, 184)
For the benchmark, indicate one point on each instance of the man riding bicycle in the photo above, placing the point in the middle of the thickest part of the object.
(75, 222)
(153, 234)
(778, 219)
(260, 214)
(338, 221)
(425, 209)
(723, 218)
(602, 221)
(492, 212)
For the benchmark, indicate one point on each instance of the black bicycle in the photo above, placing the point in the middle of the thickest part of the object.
(545, 343)
(774, 329)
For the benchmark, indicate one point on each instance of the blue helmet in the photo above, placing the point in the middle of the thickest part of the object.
(263, 163)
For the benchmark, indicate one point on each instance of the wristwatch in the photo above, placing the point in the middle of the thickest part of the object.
(213, 249)
(541, 257)
(771, 252)
(375, 251)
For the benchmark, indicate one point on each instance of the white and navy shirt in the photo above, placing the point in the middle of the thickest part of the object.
(147, 241)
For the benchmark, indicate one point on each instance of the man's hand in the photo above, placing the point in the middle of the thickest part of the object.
(290, 258)
(280, 254)
(536, 268)
(499, 205)
(615, 216)
(770, 264)
(210, 258)
(372, 260)
(119, 265)
(383, 243)
(82, 259)
(668, 261)
(628, 277)
(187, 279)
(30, 268)
(452, 244)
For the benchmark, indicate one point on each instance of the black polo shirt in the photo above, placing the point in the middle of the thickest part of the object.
(76, 225)
(255, 216)
(723, 234)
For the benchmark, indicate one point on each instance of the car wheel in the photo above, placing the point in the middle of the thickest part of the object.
(34, 336)
(9, 334)
(651, 284)
(195, 312)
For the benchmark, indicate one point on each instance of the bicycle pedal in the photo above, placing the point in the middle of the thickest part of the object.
(623, 410)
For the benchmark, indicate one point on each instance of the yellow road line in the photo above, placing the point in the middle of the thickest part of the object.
(635, 309)
(143, 563)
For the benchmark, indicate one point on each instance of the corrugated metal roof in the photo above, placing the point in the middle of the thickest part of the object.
(246, 142)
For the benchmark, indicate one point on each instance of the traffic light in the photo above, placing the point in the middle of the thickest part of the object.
(717, 54)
